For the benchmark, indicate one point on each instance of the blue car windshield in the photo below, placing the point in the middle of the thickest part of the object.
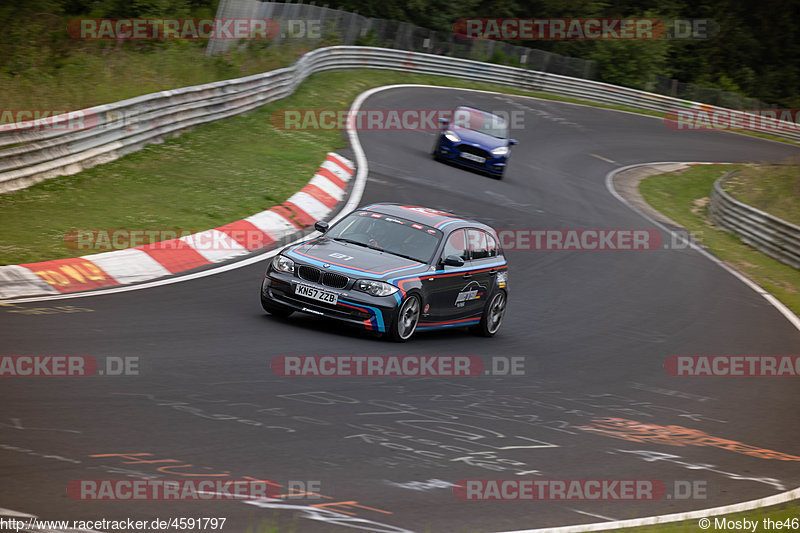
(475, 120)
(388, 234)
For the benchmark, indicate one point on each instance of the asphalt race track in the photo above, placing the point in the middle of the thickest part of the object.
(594, 327)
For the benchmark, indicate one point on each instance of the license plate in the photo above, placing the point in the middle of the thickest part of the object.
(473, 157)
(316, 294)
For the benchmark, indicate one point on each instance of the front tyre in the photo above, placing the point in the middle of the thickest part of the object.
(492, 316)
(436, 148)
(406, 319)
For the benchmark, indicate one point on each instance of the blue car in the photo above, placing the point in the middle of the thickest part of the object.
(475, 139)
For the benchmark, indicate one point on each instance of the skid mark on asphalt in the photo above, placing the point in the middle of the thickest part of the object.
(60, 309)
(670, 392)
(16, 423)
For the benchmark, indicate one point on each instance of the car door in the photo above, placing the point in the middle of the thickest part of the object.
(445, 285)
(480, 279)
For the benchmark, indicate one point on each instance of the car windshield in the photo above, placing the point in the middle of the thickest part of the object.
(472, 119)
(389, 234)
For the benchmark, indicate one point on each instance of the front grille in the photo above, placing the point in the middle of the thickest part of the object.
(308, 273)
(337, 281)
(474, 150)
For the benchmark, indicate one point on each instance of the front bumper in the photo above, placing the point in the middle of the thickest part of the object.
(373, 313)
(452, 153)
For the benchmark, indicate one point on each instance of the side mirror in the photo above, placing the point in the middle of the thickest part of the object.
(453, 261)
(321, 226)
(444, 121)
(512, 142)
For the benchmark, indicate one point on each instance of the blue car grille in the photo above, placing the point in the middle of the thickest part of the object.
(474, 150)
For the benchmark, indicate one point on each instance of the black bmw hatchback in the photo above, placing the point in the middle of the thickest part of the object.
(394, 269)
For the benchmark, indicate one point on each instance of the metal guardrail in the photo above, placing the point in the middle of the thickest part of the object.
(30, 154)
(340, 27)
(773, 236)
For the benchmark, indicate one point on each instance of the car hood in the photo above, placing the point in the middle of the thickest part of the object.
(481, 139)
(353, 260)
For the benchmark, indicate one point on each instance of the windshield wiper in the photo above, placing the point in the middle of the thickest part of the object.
(351, 241)
(359, 243)
(404, 256)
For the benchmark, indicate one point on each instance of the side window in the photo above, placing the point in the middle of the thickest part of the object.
(479, 244)
(494, 250)
(457, 245)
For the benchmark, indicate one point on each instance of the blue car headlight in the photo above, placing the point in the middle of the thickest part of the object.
(500, 151)
(452, 137)
(283, 264)
(375, 288)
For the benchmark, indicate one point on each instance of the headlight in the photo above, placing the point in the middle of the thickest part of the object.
(283, 264)
(375, 288)
(452, 137)
(500, 150)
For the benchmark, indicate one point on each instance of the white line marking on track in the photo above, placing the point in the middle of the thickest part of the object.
(600, 157)
(702, 513)
(19, 514)
(355, 198)
(352, 202)
(676, 517)
(592, 514)
(785, 311)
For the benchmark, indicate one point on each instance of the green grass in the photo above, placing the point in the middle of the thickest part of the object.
(771, 188)
(215, 174)
(683, 197)
(101, 72)
(94, 73)
(212, 175)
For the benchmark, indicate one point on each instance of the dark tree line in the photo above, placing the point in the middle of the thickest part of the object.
(756, 51)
